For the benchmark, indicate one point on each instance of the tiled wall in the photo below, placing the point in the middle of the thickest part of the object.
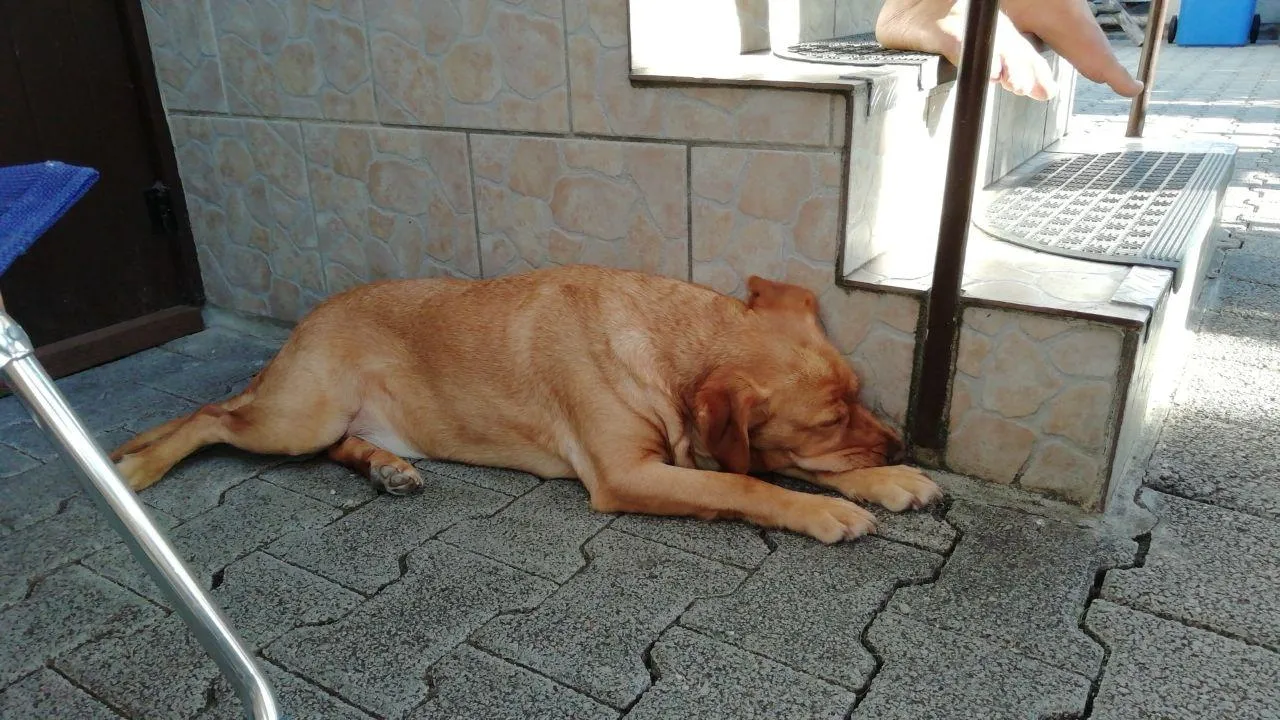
(1036, 402)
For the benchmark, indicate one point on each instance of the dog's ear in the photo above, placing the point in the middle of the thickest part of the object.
(724, 408)
(784, 298)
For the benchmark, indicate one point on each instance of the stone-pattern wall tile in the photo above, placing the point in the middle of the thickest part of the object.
(295, 59)
(391, 203)
(775, 214)
(604, 102)
(544, 202)
(185, 54)
(470, 63)
(251, 214)
(1035, 402)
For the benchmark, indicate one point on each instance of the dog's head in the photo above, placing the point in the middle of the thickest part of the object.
(789, 400)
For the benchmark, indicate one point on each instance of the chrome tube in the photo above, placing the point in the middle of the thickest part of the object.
(129, 518)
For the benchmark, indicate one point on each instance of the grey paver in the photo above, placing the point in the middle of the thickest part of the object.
(1252, 268)
(158, 671)
(542, 532)
(63, 611)
(265, 598)
(1209, 567)
(46, 694)
(1163, 669)
(38, 493)
(917, 527)
(591, 634)
(1251, 299)
(362, 550)
(323, 480)
(1245, 340)
(509, 482)
(30, 440)
(217, 343)
(931, 673)
(472, 684)
(76, 532)
(808, 604)
(205, 381)
(13, 462)
(378, 655)
(1229, 393)
(199, 482)
(727, 541)
(299, 698)
(701, 678)
(1018, 581)
(253, 514)
(1233, 467)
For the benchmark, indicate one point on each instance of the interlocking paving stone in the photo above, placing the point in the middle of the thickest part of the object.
(11, 410)
(542, 532)
(38, 548)
(1252, 268)
(1229, 393)
(362, 550)
(1233, 467)
(1208, 567)
(591, 634)
(30, 440)
(377, 656)
(918, 527)
(199, 482)
(1163, 669)
(323, 480)
(36, 494)
(265, 598)
(1251, 299)
(509, 482)
(216, 343)
(158, 671)
(46, 694)
(808, 604)
(63, 611)
(1245, 340)
(252, 515)
(701, 678)
(729, 542)
(1018, 581)
(931, 673)
(13, 462)
(471, 684)
(300, 699)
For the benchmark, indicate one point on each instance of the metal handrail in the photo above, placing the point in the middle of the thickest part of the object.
(942, 329)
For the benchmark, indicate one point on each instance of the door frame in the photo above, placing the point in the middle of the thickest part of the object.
(87, 350)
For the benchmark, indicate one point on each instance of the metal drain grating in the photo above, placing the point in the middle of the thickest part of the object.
(853, 50)
(1135, 207)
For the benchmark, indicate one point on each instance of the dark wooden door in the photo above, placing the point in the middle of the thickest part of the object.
(118, 273)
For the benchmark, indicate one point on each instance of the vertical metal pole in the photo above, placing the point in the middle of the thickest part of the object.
(1147, 67)
(942, 329)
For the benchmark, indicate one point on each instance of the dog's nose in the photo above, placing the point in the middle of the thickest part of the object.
(894, 451)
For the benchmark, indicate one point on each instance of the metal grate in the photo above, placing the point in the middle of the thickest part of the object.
(1136, 207)
(853, 50)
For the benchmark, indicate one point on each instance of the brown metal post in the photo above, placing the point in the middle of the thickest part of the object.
(942, 329)
(1147, 67)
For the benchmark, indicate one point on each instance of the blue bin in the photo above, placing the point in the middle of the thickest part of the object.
(1226, 23)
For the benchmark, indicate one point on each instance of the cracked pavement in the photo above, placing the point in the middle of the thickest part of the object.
(493, 594)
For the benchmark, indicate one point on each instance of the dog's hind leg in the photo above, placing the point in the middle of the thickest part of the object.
(384, 468)
(292, 416)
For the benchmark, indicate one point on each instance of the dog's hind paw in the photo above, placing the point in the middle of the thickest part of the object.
(396, 481)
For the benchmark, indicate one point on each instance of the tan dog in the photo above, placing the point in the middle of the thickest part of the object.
(629, 382)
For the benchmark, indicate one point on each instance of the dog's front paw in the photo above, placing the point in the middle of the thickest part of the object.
(902, 487)
(830, 520)
(396, 481)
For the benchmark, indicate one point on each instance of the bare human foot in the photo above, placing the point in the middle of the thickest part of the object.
(937, 26)
(1068, 26)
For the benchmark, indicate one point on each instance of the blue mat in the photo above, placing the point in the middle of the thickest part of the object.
(32, 198)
